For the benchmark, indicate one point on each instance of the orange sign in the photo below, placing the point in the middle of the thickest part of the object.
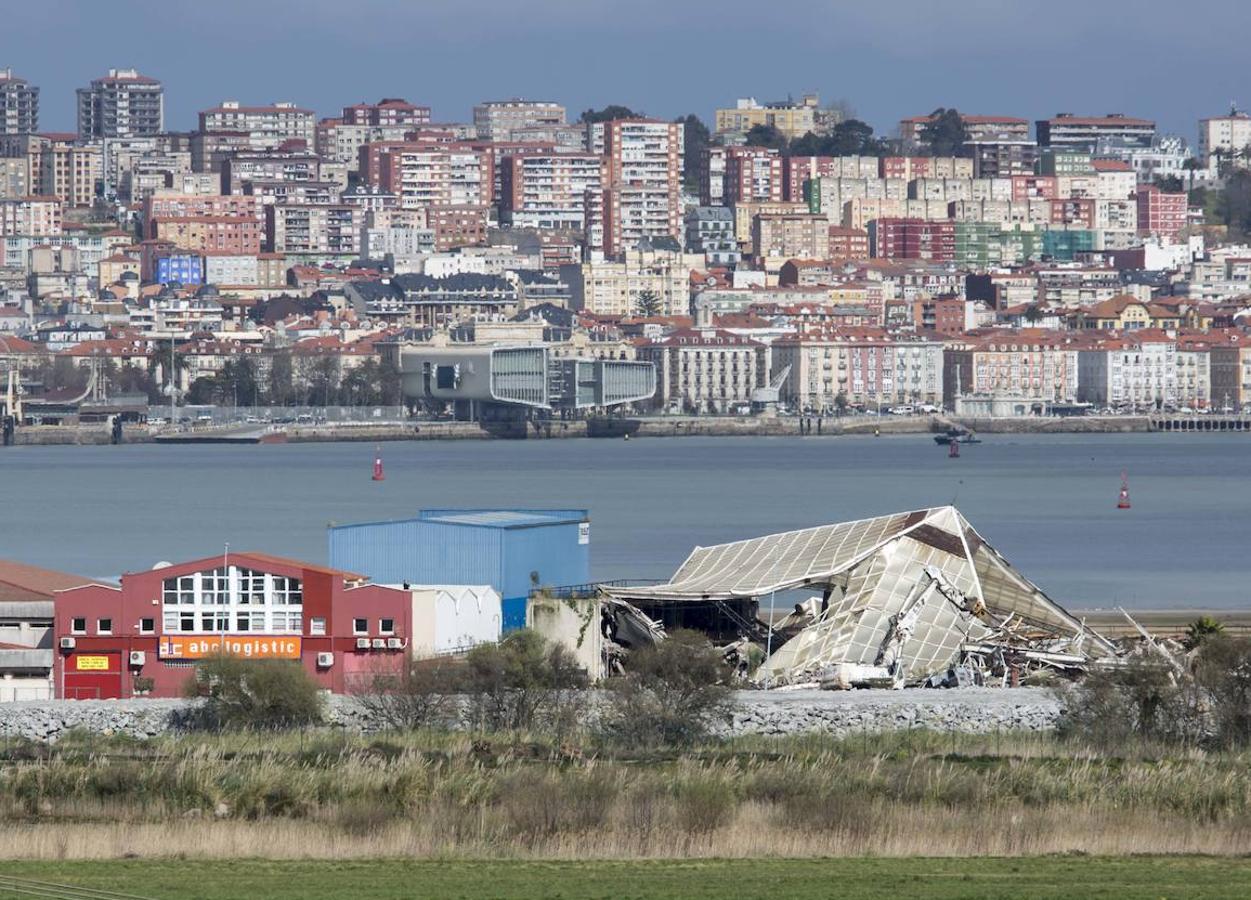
(199, 646)
(91, 663)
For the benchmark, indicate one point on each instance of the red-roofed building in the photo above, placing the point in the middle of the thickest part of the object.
(155, 627)
(861, 367)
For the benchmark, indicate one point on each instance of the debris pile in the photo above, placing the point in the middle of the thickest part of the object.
(915, 598)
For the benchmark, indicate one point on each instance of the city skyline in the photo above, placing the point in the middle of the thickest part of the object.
(660, 60)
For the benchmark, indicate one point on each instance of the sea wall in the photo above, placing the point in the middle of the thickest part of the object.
(967, 710)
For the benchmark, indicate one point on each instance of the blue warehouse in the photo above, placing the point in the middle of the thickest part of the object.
(513, 550)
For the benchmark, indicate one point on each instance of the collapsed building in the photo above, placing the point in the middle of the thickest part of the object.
(911, 598)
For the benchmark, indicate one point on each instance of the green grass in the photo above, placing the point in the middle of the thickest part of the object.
(863, 879)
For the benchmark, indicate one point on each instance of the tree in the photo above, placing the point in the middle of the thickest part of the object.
(1234, 204)
(766, 136)
(608, 114)
(420, 696)
(648, 303)
(1202, 629)
(281, 388)
(673, 694)
(945, 134)
(238, 382)
(1191, 165)
(695, 139)
(840, 403)
(852, 138)
(255, 693)
(1033, 313)
(159, 366)
(521, 682)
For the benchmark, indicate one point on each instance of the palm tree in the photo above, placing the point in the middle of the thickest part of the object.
(1201, 629)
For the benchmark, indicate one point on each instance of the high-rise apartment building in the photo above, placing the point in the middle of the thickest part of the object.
(389, 111)
(752, 174)
(266, 126)
(496, 120)
(1093, 132)
(548, 190)
(642, 178)
(1224, 135)
(19, 104)
(121, 104)
(422, 175)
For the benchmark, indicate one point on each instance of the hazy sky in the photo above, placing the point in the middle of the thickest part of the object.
(1164, 60)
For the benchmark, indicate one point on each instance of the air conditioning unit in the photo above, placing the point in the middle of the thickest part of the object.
(68, 643)
(137, 657)
(395, 644)
(380, 644)
(325, 660)
(362, 643)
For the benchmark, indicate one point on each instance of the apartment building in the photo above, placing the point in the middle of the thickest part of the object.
(267, 127)
(1003, 158)
(1224, 136)
(19, 104)
(221, 234)
(168, 205)
(1136, 370)
(1031, 364)
(864, 366)
(270, 165)
(122, 103)
(911, 238)
(752, 174)
(69, 170)
(793, 119)
(621, 288)
(498, 120)
(310, 228)
(16, 178)
(711, 174)
(33, 216)
(1230, 370)
(549, 190)
(642, 181)
(390, 112)
(777, 238)
(1161, 214)
(426, 174)
(706, 369)
(979, 128)
(1089, 133)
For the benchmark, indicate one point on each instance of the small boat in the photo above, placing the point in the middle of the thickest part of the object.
(956, 436)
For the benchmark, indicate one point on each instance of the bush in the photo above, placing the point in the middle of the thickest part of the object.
(263, 694)
(420, 697)
(1141, 700)
(1223, 672)
(521, 682)
(672, 695)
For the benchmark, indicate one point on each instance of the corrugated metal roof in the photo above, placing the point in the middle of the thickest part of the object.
(504, 518)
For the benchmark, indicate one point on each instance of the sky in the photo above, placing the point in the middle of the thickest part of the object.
(1163, 60)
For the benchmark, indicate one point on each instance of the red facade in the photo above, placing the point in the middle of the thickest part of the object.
(157, 624)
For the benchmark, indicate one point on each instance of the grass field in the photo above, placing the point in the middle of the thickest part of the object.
(864, 879)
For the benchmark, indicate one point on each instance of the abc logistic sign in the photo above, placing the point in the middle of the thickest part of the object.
(200, 646)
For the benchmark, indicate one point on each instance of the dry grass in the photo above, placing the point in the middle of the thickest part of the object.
(447, 796)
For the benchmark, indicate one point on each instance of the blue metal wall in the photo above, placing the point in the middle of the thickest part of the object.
(496, 547)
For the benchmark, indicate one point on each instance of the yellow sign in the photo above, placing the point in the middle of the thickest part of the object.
(199, 646)
(91, 663)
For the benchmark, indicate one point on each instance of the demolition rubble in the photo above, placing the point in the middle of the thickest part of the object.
(912, 599)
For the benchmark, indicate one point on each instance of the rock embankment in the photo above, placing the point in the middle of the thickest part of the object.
(968, 710)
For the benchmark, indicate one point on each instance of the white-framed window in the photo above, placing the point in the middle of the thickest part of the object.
(232, 599)
(78, 625)
(147, 626)
(386, 626)
(316, 625)
(104, 626)
(360, 626)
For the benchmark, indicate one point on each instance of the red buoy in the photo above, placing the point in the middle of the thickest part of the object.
(1122, 502)
(378, 474)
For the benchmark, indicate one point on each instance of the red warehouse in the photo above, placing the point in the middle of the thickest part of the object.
(152, 631)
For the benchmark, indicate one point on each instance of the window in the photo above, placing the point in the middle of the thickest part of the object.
(147, 626)
(386, 626)
(78, 626)
(104, 626)
(360, 626)
(232, 598)
(317, 626)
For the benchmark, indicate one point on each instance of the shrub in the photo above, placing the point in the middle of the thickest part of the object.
(1223, 671)
(419, 697)
(1140, 700)
(521, 682)
(672, 695)
(262, 694)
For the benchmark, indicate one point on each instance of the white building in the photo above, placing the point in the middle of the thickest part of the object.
(1224, 136)
(453, 618)
(706, 370)
(1137, 371)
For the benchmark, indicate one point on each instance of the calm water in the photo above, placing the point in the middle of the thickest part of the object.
(1047, 502)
